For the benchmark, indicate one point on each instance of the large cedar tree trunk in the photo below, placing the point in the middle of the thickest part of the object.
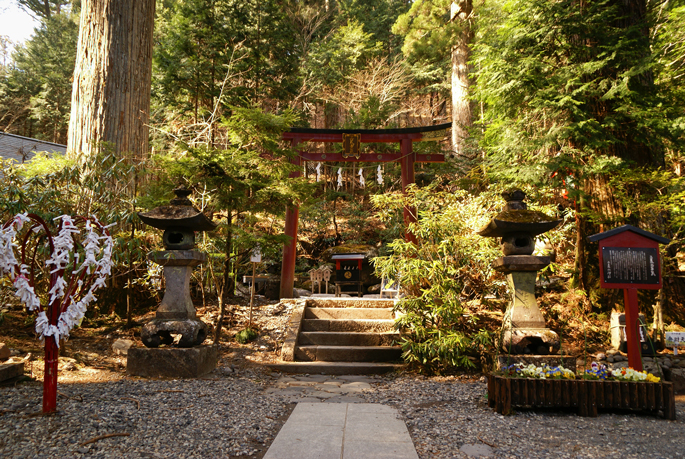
(110, 99)
(461, 105)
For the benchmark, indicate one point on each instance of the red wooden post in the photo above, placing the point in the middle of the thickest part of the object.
(290, 246)
(407, 163)
(50, 377)
(632, 332)
(51, 355)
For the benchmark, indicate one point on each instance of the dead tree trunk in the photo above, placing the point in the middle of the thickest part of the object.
(110, 101)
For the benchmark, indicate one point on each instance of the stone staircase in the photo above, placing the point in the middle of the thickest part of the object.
(341, 336)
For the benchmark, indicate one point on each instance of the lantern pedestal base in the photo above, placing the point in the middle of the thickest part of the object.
(536, 341)
(171, 362)
(156, 332)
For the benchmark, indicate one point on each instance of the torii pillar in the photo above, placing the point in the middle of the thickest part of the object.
(292, 215)
(407, 165)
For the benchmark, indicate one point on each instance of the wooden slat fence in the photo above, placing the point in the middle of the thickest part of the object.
(584, 395)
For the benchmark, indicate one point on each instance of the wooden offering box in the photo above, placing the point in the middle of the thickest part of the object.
(586, 396)
(348, 271)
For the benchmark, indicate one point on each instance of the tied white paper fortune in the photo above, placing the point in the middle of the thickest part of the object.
(361, 177)
(339, 177)
(97, 265)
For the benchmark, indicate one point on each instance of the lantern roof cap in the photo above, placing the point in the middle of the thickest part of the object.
(180, 213)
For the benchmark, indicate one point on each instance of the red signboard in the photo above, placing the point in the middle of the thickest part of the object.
(629, 259)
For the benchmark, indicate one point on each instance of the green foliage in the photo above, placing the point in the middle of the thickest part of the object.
(449, 264)
(243, 186)
(35, 89)
(377, 17)
(559, 80)
(347, 50)
(50, 186)
(246, 335)
(250, 174)
(216, 53)
(428, 39)
(46, 9)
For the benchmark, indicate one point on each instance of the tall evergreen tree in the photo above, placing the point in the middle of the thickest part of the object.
(437, 35)
(110, 100)
(216, 53)
(35, 86)
(569, 91)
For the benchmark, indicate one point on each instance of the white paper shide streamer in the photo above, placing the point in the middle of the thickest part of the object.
(361, 177)
(379, 175)
(339, 177)
(318, 172)
(97, 255)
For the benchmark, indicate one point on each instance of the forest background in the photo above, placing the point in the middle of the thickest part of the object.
(580, 104)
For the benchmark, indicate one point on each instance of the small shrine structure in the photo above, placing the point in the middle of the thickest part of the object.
(351, 140)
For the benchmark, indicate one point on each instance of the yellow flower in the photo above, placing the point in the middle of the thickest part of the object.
(652, 378)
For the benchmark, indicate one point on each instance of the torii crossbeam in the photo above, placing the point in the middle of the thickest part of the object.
(406, 157)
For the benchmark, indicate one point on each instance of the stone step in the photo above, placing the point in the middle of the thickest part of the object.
(348, 313)
(349, 303)
(349, 338)
(310, 353)
(335, 368)
(348, 325)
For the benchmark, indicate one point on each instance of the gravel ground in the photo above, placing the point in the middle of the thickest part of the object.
(443, 414)
(218, 416)
(238, 413)
(238, 409)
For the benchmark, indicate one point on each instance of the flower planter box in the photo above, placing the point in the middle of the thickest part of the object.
(585, 395)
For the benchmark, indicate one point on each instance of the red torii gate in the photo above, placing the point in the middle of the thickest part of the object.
(406, 156)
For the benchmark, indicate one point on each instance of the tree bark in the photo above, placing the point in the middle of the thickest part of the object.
(461, 105)
(229, 279)
(110, 100)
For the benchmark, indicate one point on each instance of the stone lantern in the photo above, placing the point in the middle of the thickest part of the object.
(524, 330)
(176, 314)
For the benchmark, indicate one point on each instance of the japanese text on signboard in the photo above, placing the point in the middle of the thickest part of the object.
(625, 265)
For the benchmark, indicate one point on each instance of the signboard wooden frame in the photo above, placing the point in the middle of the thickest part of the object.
(634, 264)
(628, 238)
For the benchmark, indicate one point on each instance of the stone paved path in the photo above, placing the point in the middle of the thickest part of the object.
(331, 421)
(317, 430)
(321, 388)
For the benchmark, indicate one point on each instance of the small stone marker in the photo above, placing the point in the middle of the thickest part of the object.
(11, 370)
(4, 352)
(476, 450)
(121, 346)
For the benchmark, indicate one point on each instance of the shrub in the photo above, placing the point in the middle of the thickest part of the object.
(246, 335)
(448, 264)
